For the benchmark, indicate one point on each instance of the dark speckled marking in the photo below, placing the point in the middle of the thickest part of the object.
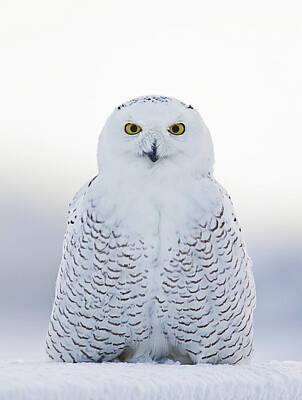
(92, 180)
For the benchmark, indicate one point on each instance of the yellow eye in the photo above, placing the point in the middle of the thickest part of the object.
(132, 129)
(177, 129)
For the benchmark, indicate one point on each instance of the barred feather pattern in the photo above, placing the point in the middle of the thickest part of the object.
(122, 297)
(210, 294)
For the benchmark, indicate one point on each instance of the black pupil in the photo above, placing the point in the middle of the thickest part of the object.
(133, 128)
(175, 128)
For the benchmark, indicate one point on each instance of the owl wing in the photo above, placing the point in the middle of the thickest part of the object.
(210, 289)
(61, 335)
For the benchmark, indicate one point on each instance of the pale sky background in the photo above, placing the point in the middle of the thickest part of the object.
(66, 64)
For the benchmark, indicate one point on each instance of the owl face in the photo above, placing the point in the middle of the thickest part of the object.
(155, 132)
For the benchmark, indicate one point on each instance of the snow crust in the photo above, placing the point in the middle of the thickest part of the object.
(51, 380)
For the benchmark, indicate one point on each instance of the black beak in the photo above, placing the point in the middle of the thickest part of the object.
(153, 153)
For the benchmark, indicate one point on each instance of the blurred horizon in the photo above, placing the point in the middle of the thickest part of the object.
(66, 65)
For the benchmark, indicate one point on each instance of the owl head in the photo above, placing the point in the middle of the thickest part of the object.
(155, 133)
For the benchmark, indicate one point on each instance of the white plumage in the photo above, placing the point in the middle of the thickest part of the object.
(154, 265)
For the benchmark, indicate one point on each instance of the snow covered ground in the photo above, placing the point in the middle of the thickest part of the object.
(49, 380)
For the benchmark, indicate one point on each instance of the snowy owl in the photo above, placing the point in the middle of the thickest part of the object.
(154, 265)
